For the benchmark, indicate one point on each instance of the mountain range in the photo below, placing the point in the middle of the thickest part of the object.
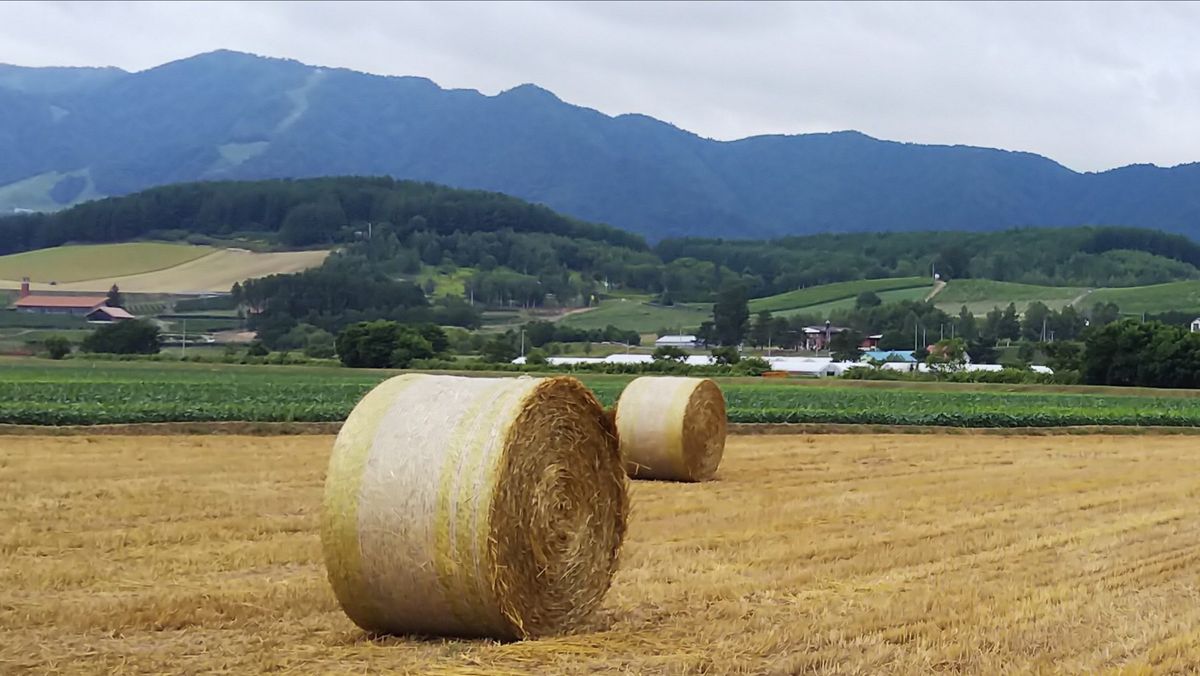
(74, 134)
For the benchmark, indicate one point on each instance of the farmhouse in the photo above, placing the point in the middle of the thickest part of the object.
(818, 337)
(677, 341)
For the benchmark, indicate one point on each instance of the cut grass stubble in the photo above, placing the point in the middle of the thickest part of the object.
(862, 554)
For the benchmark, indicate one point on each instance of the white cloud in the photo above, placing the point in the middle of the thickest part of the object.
(1091, 85)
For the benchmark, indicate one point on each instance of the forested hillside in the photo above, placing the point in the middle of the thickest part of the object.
(510, 252)
(1086, 257)
(74, 134)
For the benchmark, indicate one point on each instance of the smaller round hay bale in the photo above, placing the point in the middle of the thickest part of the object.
(474, 507)
(671, 428)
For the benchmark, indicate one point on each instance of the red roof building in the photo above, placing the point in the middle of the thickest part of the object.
(60, 305)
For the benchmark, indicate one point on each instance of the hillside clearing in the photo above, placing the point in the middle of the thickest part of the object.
(211, 271)
(634, 315)
(857, 554)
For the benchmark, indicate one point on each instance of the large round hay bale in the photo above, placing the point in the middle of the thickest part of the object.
(474, 507)
(671, 428)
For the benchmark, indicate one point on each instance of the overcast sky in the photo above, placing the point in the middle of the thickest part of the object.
(1093, 86)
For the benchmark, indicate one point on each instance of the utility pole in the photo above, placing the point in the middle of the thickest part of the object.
(1043, 329)
(522, 341)
(185, 338)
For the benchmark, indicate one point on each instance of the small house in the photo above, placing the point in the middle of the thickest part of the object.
(817, 338)
(1196, 325)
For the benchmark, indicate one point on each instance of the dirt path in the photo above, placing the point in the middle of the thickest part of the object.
(937, 288)
(1080, 297)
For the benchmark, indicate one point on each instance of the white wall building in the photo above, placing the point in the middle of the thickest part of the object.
(677, 341)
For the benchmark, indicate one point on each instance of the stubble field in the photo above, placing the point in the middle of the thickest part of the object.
(836, 554)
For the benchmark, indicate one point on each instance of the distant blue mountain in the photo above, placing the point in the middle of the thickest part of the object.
(72, 134)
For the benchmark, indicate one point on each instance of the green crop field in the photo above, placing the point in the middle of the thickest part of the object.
(801, 300)
(823, 310)
(64, 264)
(632, 314)
(80, 393)
(981, 295)
(1177, 296)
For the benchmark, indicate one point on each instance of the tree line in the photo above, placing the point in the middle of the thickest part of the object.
(1085, 256)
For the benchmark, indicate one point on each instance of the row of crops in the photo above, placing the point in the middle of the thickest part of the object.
(86, 394)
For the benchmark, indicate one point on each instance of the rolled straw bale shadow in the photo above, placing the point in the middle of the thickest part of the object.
(474, 507)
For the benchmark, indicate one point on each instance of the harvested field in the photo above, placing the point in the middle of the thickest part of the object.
(206, 271)
(847, 554)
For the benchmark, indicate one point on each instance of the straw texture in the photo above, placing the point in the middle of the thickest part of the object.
(474, 507)
(671, 428)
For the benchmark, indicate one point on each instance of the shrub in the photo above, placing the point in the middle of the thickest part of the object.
(133, 336)
(57, 347)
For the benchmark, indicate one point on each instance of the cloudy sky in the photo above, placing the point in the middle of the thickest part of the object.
(1093, 86)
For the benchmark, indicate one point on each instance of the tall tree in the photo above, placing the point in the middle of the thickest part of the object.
(844, 346)
(965, 326)
(1035, 322)
(1010, 324)
(1104, 313)
(867, 299)
(760, 333)
(731, 314)
(115, 297)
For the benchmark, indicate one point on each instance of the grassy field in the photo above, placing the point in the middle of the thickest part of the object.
(65, 264)
(848, 554)
(633, 314)
(1181, 296)
(149, 267)
(801, 299)
(37, 392)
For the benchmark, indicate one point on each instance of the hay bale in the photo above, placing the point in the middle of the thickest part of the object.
(474, 507)
(671, 428)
